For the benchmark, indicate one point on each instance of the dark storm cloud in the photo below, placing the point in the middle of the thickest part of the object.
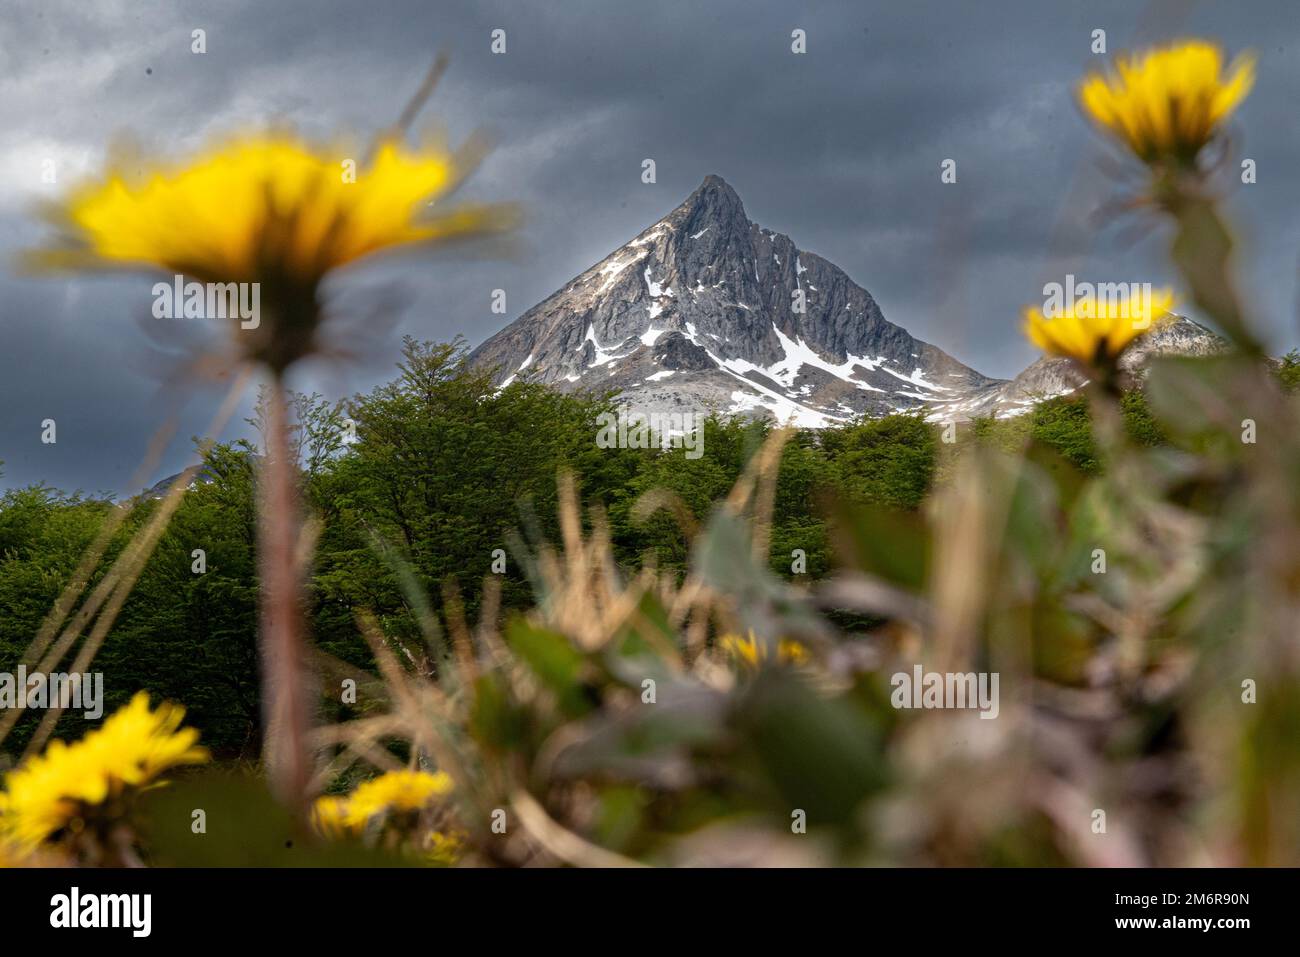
(839, 148)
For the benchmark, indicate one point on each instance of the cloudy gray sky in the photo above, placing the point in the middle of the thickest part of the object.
(840, 148)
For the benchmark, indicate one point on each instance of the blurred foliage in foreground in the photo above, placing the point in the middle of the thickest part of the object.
(1121, 691)
(1141, 616)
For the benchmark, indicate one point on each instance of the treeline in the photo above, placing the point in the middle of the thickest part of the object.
(431, 477)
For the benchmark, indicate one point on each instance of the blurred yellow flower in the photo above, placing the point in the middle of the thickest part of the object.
(269, 209)
(1094, 331)
(395, 791)
(128, 752)
(444, 850)
(752, 652)
(1168, 103)
(329, 816)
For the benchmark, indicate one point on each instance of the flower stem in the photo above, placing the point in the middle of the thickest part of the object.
(1202, 251)
(284, 699)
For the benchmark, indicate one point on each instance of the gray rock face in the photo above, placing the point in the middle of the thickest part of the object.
(674, 351)
(705, 311)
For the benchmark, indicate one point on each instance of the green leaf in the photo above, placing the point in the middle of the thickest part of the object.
(494, 720)
(554, 659)
(884, 542)
(821, 755)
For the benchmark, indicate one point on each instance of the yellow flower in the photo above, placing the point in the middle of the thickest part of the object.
(127, 753)
(1168, 103)
(269, 209)
(395, 791)
(1095, 331)
(792, 652)
(750, 651)
(329, 816)
(444, 850)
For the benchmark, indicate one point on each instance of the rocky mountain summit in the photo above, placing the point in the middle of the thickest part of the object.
(708, 311)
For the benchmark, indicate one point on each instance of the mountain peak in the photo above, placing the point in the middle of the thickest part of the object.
(714, 181)
(709, 311)
(714, 199)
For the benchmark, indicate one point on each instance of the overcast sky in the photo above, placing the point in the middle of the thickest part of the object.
(840, 148)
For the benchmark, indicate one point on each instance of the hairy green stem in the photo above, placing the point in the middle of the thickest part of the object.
(1202, 251)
